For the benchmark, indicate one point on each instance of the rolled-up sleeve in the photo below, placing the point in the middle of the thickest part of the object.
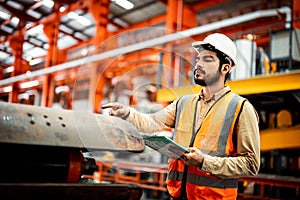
(154, 122)
(247, 160)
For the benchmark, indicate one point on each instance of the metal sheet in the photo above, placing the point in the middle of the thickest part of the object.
(26, 124)
(50, 191)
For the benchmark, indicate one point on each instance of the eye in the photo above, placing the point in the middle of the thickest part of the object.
(207, 58)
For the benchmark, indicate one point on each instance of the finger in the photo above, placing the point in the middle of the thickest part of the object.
(182, 157)
(191, 149)
(106, 106)
(115, 112)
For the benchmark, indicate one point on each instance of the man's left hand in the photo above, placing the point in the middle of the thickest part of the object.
(194, 158)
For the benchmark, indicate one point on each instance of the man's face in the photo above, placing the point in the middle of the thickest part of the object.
(206, 71)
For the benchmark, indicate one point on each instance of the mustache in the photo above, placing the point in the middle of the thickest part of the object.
(198, 70)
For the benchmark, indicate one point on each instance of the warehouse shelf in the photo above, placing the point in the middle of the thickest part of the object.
(124, 172)
(280, 138)
(272, 180)
(113, 171)
(283, 81)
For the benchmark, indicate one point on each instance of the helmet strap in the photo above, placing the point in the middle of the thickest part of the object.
(229, 60)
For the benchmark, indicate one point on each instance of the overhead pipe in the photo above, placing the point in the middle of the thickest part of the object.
(151, 43)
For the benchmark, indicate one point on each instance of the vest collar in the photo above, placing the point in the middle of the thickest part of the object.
(215, 96)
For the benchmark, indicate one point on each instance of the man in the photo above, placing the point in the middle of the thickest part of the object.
(219, 128)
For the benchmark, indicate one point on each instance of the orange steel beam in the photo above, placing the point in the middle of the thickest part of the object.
(188, 18)
(296, 13)
(100, 11)
(117, 71)
(205, 4)
(49, 18)
(16, 44)
(51, 30)
(172, 14)
(163, 1)
(134, 56)
(179, 17)
(262, 26)
(17, 13)
(171, 25)
(113, 66)
(147, 23)
(150, 22)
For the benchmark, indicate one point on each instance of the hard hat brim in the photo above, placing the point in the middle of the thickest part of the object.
(201, 45)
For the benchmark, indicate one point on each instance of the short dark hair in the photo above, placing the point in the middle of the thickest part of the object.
(224, 59)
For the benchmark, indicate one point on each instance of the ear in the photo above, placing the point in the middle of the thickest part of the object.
(226, 68)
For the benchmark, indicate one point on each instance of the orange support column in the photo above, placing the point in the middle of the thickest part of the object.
(16, 44)
(179, 17)
(172, 15)
(171, 27)
(296, 13)
(51, 29)
(100, 11)
(189, 18)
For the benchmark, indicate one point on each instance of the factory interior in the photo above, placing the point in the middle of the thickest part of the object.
(61, 60)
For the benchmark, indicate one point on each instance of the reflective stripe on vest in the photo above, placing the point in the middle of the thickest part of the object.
(205, 180)
(224, 113)
(226, 126)
(219, 122)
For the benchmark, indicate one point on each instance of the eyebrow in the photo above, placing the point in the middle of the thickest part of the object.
(205, 57)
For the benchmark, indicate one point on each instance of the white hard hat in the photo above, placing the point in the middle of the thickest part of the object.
(220, 42)
(60, 89)
(23, 96)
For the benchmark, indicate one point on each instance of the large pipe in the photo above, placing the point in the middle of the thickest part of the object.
(35, 125)
(151, 43)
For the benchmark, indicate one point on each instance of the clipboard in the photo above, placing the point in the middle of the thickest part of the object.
(165, 146)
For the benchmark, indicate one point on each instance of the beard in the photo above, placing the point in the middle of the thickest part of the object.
(206, 81)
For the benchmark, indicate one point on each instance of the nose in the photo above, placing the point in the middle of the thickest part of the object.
(199, 64)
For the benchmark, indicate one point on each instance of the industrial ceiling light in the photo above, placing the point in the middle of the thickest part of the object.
(62, 8)
(29, 84)
(15, 21)
(80, 19)
(8, 70)
(7, 89)
(48, 3)
(36, 30)
(29, 58)
(4, 15)
(124, 4)
(36, 61)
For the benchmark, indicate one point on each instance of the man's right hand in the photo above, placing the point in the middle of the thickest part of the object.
(117, 109)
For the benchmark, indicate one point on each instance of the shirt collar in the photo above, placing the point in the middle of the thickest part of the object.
(215, 96)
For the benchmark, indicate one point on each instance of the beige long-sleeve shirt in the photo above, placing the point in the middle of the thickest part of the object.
(247, 160)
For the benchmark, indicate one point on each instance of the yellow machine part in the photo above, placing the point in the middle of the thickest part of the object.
(279, 138)
(255, 85)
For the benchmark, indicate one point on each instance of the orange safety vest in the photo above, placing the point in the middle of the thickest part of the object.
(214, 137)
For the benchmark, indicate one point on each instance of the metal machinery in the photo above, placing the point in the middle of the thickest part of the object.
(42, 148)
(42, 152)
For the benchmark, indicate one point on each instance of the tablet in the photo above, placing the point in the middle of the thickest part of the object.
(165, 146)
